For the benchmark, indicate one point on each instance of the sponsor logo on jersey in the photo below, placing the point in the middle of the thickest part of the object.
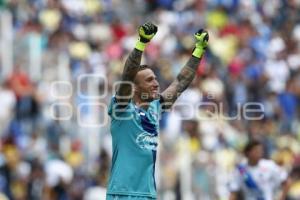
(147, 141)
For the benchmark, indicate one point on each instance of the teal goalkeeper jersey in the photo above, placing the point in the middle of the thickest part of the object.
(134, 138)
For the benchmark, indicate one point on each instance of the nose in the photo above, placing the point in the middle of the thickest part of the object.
(156, 84)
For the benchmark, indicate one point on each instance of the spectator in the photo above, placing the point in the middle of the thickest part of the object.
(253, 57)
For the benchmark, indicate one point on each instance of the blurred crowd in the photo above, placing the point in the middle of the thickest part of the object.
(68, 55)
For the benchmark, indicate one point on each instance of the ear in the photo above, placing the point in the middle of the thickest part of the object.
(135, 88)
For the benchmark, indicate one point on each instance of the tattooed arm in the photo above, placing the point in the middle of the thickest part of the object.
(124, 92)
(182, 81)
(132, 64)
(187, 74)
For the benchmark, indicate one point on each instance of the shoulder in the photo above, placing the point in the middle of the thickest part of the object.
(269, 166)
(267, 163)
(156, 103)
(278, 173)
(114, 101)
(119, 108)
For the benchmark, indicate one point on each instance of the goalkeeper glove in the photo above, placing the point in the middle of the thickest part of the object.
(146, 32)
(201, 43)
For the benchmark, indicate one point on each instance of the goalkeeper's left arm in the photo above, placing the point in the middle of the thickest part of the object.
(187, 74)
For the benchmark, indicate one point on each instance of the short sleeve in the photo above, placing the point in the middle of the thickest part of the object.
(117, 109)
(234, 184)
(157, 104)
(113, 101)
(162, 104)
(279, 175)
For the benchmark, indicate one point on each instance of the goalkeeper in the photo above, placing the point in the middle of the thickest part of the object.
(134, 112)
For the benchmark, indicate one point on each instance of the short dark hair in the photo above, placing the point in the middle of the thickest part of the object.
(250, 145)
(141, 68)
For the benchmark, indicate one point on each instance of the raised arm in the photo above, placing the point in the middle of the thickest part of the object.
(130, 69)
(187, 74)
(132, 64)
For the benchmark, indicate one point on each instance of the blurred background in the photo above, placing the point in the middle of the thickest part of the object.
(59, 62)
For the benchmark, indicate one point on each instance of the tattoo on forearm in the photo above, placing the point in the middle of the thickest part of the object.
(132, 64)
(130, 69)
(183, 80)
(187, 74)
(193, 63)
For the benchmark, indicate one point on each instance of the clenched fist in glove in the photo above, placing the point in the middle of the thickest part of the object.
(146, 33)
(201, 43)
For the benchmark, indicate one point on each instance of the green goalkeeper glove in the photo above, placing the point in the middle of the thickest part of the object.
(201, 43)
(146, 32)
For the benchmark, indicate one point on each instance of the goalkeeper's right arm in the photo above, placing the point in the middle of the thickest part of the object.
(132, 64)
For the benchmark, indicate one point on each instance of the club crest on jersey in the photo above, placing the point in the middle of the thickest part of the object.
(147, 141)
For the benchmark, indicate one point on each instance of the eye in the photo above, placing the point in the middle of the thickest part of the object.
(149, 79)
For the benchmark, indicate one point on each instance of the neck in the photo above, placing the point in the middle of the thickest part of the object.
(252, 162)
(140, 103)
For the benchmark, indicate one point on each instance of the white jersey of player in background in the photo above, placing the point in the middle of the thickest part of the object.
(267, 175)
